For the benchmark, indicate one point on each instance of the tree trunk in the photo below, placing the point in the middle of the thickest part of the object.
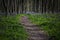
(5, 8)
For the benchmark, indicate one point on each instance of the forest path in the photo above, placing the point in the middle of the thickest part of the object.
(33, 31)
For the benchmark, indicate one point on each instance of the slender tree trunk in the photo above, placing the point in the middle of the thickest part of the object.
(27, 5)
(42, 6)
(39, 6)
(17, 6)
(5, 8)
(53, 5)
(35, 5)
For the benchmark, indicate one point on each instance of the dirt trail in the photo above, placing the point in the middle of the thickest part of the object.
(33, 31)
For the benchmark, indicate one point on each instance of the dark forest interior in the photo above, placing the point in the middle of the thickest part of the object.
(11, 7)
(29, 19)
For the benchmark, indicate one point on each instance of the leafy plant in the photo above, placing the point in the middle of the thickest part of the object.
(11, 28)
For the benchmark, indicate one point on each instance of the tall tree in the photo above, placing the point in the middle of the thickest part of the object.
(5, 6)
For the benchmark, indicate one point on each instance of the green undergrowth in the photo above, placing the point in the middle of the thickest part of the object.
(49, 23)
(11, 28)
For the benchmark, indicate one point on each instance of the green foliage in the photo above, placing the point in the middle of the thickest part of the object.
(49, 22)
(11, 28)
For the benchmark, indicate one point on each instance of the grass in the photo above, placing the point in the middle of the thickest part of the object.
(11, 28)
(49, 23)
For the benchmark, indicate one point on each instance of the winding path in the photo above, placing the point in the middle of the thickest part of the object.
(33, 31)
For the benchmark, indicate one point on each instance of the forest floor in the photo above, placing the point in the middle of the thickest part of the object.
(34, 32)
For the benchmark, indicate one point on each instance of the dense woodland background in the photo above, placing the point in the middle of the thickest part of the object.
(13, 7)
(48, 18)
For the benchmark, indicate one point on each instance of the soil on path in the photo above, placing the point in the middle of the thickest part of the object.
(34, 32)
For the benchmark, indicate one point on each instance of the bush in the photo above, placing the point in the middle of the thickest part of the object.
(49, 22)
(11, 29)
